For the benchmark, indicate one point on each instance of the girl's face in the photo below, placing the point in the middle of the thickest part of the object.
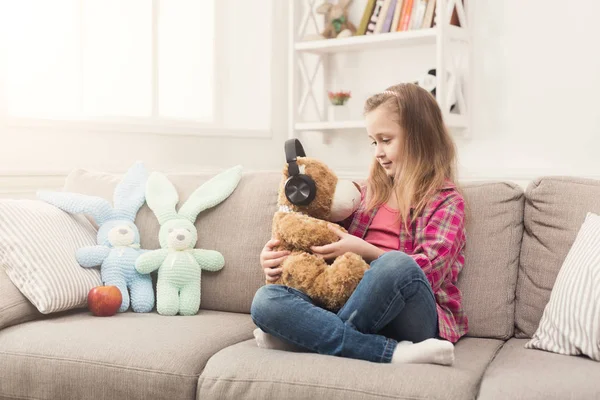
(386, 138)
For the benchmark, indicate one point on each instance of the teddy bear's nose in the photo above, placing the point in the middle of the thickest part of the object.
(122, 231)
(180, 237)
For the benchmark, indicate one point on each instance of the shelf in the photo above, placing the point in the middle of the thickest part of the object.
(329, 125)
(454, 121)
(378, 41)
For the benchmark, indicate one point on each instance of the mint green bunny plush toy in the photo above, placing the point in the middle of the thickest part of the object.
(179, 264)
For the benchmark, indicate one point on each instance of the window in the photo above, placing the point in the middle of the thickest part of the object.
(168, 64)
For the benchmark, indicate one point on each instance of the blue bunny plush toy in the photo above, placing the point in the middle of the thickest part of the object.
(118, 238)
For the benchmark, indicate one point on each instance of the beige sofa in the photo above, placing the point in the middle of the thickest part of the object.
(516, 244)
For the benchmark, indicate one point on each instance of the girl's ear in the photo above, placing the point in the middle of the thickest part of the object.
(130, 193)
(161, 197)
(211, 193)
(76, 203)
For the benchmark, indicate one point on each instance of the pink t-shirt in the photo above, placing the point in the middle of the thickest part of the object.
(384, 231)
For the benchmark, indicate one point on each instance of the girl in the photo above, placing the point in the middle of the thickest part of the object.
(409, 228)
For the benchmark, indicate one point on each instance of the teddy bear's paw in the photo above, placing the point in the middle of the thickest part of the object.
(349, 265)
(302, 271)
(342, 278)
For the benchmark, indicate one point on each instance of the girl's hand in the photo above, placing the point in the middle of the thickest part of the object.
(347, 243)
(270, 260)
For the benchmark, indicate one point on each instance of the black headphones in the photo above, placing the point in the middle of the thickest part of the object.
(300, 189)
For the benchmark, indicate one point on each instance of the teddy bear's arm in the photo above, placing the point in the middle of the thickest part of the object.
(300, 232)
(209, 260)
(92, 256)
(150, 261)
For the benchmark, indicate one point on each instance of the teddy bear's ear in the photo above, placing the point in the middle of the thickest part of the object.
(284, 171)
(324, 8)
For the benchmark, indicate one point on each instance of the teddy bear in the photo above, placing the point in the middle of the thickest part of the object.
(310, 197)
(336, 20)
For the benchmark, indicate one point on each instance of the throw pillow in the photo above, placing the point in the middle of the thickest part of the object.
(570, 323)
(14, 307)
(37, 249)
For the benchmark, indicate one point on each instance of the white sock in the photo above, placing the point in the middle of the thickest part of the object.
(430, 351)
(266, 341)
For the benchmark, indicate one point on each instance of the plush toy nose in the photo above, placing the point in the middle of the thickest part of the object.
(122, 231)
(180, 237)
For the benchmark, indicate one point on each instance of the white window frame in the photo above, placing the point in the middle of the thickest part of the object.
(168, 126)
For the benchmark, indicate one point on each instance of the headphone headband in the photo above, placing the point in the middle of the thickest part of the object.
(293, 149)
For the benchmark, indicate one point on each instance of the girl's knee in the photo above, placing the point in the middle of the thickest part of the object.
(265, 303)
(396, 264)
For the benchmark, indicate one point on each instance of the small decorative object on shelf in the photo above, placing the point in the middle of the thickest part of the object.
(339, 98)
(337, 111)
(337, 24)
(429, 81)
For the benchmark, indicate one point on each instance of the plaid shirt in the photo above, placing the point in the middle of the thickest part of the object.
(437, 244)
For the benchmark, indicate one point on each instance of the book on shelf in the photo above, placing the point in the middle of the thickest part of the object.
(366, 17)
(374, 18)
(382, 16)
(385, 18)
(428, 17)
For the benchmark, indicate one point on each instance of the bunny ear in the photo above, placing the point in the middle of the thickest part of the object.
(161, 197)
(211, 193)
(130, 193)
(76, 203)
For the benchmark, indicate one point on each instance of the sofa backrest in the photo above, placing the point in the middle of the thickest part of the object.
(555, 208)
(494, 230)
(238, 228)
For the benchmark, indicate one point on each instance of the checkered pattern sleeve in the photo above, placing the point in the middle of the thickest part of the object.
(439, 246)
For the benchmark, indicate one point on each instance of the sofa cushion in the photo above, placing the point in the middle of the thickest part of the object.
(494, 229)
(555, 208)
(244, 371)
(238, 228)
(129, 355)
(519, 373)
(14, 307)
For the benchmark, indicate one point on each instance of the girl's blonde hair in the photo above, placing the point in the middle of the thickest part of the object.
(428, 156)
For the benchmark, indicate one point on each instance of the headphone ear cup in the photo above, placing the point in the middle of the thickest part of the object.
(300, 190)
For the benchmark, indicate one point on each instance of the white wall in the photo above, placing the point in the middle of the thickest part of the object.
(534, 105)
(535, 102)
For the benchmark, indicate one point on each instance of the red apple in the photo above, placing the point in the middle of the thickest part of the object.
(104, 301)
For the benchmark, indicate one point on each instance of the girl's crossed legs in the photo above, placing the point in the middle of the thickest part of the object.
(392, 303)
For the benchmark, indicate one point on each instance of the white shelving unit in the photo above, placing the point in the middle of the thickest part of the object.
(451, 44)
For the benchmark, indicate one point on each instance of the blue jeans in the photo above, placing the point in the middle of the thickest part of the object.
(393, 302)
